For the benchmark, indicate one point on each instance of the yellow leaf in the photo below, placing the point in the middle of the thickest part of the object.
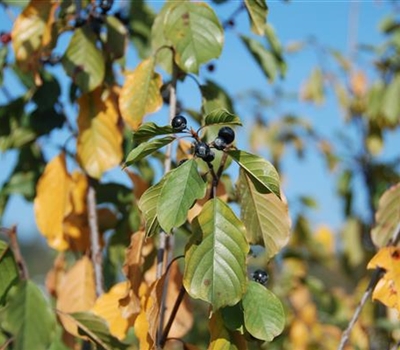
(325, 237)
(358, 83)
(52, 202)
(99, 139)
(140, 94)
(387, 289)
(28, 31)
(55, 276)
(141, 326)
(77, 291)
(107, 307)
(130, 302)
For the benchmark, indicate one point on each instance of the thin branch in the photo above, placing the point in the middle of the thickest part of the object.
(174, 311)
(372, 283)
(166, 242)
(6, 344)
(96, 255)
(22, 269)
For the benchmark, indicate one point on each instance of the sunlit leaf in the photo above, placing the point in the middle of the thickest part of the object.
(99, 140)
(107, 307)
(221, 116)
(387, 218)
(215, 269)
(264, 317)
(140, 94)
(387, 290)
(83, 61)
(8, 270)
(261, 172)
(257, 10)
(148, 206)
(180, 190)
(313, 89)
(195, 31)
(358, 83)
(77, 291)
(390, 105)
(52, 202)
(265, 217)
(148, 130)
(28, 317)
(94, 328)
(146, 148)
(264, 58)
(27, 34)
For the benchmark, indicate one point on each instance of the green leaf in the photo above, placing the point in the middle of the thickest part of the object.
(148, 206)
(29, 317)
(390, 102)
(387, 217)
(233, 317)
(221, 116)
(141, 19)
(140, 94)
(264, 58)
(264, 317)
(146, 148)
(195, 31)
(261, 172)
(276, 48)
(313, 89)
(148, 130)
(8, 270)
(96, 329)
(215, 269)
(182, 187)
(116, 37)
(265, 217)
(257, 10)
(214, 97)
(83, 61)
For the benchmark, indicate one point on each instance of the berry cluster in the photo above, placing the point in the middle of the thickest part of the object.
(225, 137)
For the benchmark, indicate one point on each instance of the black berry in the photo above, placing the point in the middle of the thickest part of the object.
(106, 5)
(179, 123)
(260, 276)
(202, 150)
(220, 143)
(210, 157)
(227, 134)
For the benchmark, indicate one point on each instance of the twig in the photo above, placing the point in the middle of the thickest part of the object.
(6, 344)
(166, 243)
(22, 269)
(174, 311)
(372, 283)
(97, 258)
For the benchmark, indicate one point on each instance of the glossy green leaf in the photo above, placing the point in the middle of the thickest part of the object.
(264, 58)
(264, 317)
(83, 61)
(182, 187)
(28, 317)
(195, 31)
(265, 217)
(221, 116)
(146, 148)
(257, 10)
(148, 130)
(390, 103)
(148, 206)
(387, 218)
(215, 269)
(96, 329)
(8, 270)
(116, 37)
(215, 97)
(140, 94)
(261, 172)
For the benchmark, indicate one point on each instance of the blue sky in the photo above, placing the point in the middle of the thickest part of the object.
(327, 21)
